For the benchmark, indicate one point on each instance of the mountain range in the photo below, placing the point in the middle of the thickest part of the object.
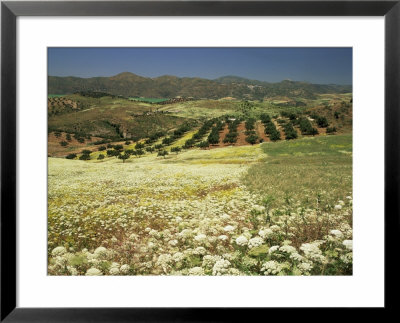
(168, 86)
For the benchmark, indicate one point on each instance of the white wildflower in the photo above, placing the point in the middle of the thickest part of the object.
(173, 242)
(114, 271)
(265, 233)
(223, 237)
(305, 267)
(273, 249)
(221, 267)
(312, 251)
(229, 228)
(348, 244)
(72, 271)
(296, 256)
(93, 272)
(200, 237)
(178, 256)
(199, 251)
(288, 249)
(209, 261)
(58, 251)
(337, 233)
(100, 252)
(124, 269)
(241, 241)
(196, 271)
(271, 268)
(234, 272)
(255, 242)
(347, 258)
(225, 217)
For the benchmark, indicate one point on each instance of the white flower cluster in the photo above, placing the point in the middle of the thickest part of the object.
(312, 252)
(241, 241)
(255, 242)
(220, 267)
(265, 233)
(271, 267)
(348, 244)
(288, 249)
(209, 260)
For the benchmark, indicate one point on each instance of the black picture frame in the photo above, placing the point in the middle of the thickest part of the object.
(10, 10)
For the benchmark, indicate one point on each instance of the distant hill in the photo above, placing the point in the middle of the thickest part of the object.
(167, 86)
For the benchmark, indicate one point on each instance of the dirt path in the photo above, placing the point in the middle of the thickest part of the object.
(261, 131)
(222, 136)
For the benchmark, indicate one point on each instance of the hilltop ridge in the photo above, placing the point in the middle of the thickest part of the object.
(169, 86)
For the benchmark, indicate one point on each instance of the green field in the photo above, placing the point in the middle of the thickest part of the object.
(280, 208)
(149, 100)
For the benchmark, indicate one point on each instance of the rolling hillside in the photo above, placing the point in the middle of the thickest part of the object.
(167, 86)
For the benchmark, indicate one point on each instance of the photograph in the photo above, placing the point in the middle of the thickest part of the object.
(199, 161)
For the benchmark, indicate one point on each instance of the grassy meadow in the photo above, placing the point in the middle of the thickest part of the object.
(274, 208)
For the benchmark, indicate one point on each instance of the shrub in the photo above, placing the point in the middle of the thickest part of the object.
(127, 142)
(231, 137)
(290, 132)
(322, 122)
(84, 157)
(203, 144)
(162, 153)
(331, 130)
(101, 142)
(139, 152)
(68, 137)
(249, 124)
(189, 143)
(71, 156)
(175, 150)
(265, 118)
(275, 135)
(64, 143)
(306, 128)
(86, 152)
(213, 137)
(101, 156)
(101, 148)
(112, 153)
(252, 139)
(290, 115)
(123, 157)
(139, 146)
(167, 141)
(118, 147)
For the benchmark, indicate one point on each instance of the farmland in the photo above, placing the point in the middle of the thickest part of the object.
(275, 208)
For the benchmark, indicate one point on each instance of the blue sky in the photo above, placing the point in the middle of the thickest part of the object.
(315, 65)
